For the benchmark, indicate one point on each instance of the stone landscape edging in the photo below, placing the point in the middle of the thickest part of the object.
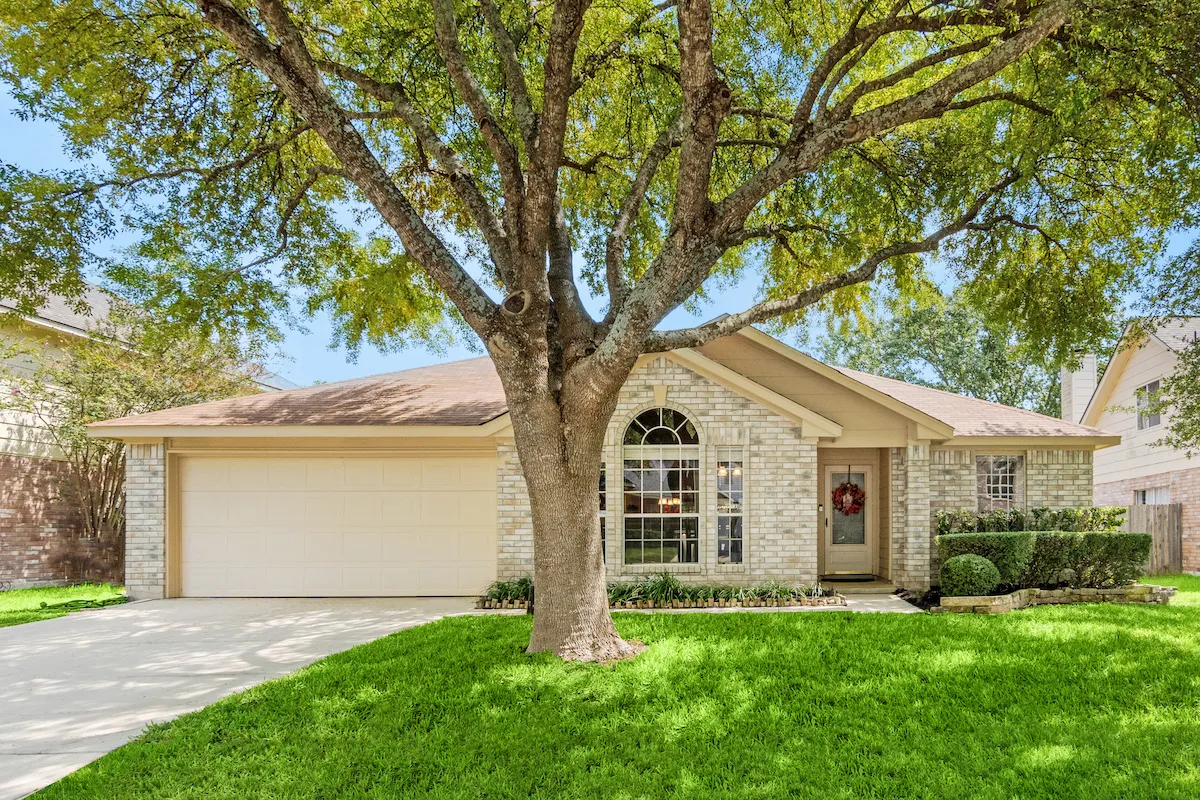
(834, 600)
(1137, 593)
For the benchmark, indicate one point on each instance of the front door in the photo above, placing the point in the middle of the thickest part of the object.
(849, 538)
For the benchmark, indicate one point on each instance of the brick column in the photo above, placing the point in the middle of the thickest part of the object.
(911, 531)
(145, 521)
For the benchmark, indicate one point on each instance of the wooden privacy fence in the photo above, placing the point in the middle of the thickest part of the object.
(1165, 524)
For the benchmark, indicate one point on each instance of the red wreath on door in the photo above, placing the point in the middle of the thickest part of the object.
(849, 498)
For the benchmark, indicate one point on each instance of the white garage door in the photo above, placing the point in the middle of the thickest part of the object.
(318, 526)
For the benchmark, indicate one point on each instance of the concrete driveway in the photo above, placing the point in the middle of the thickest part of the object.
(76, 687)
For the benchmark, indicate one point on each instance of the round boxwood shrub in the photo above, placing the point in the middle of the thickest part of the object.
(968, 575)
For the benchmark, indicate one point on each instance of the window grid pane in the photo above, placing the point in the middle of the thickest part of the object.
(997, 481)
(730, 494)
(1146, 396)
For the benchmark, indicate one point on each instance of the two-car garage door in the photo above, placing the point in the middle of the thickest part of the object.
(328, 526)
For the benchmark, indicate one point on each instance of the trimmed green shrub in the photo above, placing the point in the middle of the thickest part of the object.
(1055, 559)
(1009, 551)
(968, 575)
(1111, 558)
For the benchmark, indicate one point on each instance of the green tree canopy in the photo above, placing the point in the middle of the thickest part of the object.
(946, 344)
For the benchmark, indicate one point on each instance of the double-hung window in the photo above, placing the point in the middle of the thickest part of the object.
(1148, 415)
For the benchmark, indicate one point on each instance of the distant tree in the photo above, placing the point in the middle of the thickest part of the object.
(947, 344)
(501, 159)
(130, 365)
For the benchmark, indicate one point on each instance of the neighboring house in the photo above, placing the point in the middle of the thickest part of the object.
(1139, 471)
(409, 484)
(40, 536)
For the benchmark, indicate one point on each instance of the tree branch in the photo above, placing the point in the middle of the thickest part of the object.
(729, 324)
(618, 237)
(514, 74)
(445, 30)
(313, 102)
(706, 101)
(595, 61)
(462, 180)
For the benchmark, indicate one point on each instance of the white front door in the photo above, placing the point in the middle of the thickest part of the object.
(849, 537)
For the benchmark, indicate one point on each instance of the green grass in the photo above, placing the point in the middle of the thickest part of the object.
(1057, 702)
(18, 606)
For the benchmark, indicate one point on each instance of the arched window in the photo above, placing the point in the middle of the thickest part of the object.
(661, 489)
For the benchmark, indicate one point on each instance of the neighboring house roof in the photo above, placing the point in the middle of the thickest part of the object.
(1174, 333)
(469, 393)
(66, 316)
(457, 393)
(970, 416)
(1178, 332)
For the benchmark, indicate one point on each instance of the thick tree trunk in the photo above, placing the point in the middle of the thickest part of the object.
(561, 463)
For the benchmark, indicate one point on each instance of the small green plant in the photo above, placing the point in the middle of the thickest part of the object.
(968, 575)
(511, 591)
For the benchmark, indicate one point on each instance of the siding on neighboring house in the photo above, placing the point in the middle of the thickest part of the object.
(1137, 455)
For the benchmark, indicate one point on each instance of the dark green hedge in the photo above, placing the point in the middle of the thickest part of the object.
(1103, 518)
(968, 575)
(1097, 559)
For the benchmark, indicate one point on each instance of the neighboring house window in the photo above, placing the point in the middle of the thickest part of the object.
(1147, 413)
(998, 482)
(603, 508)
(661, 489)
(1154, 496)
(729, 505)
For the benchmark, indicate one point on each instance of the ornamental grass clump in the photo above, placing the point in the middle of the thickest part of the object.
(967, 575)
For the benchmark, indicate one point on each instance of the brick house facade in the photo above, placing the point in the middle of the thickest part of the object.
(721, 466)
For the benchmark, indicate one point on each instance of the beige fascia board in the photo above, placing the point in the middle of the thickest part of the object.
(1097, 442)
(812, 423)
(158, 432)
(938, 429)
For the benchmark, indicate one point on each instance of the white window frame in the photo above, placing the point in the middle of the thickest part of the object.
(731, 465)
(995, 481)
(664, 452)
(1152, 496)
(1143, 397)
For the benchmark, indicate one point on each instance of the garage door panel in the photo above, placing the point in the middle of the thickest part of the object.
(249, 473)
(363, 545)
(282, 525)
(247, 546)
(325, 546)
(323, 508)
(205, 509)
(206, 545)
(363, 508)
(285, 509)
(326, 473)
(287, 473)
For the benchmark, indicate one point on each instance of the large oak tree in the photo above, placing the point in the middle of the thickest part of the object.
(421, 166)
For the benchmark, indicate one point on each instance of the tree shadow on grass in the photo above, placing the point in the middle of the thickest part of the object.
(1053, 702)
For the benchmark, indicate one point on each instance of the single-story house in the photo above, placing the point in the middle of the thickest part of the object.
(721, 465)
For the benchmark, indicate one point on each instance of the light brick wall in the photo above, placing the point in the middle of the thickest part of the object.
(951, 488)
(912, 542)
(145, 521)
(780, 478)
(1184, 485)
(1058, 479)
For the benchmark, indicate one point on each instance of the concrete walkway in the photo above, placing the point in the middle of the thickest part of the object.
(76, 687)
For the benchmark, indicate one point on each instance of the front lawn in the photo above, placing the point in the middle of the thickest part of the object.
(1083, 701)
(30, 605)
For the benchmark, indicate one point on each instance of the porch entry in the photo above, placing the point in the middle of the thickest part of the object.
(850, 531)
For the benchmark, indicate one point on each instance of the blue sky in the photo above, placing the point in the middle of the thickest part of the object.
(307, 355)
